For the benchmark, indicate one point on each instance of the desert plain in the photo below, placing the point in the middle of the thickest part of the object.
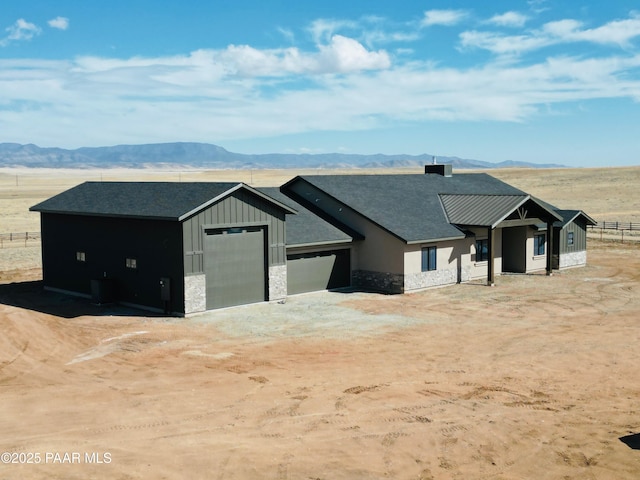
(535, 378)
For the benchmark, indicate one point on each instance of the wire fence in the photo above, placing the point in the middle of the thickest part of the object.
(18, 239)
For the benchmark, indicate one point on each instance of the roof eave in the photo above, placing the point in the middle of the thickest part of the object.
(589, 220)
(107, 215)
(319, 244)
(439, 239)
(525, 200)
(266, 197)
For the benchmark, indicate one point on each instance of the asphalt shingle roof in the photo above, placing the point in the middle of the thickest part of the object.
(159, 200)
(570, 215)
(567, 215)
(408, 206)
(306, 228)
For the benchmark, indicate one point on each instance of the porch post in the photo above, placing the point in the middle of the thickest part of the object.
(550, 248)
(491, 278)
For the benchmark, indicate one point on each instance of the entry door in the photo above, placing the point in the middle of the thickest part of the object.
(235, 267)
(514, 249)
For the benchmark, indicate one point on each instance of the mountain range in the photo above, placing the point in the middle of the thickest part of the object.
(204, 155)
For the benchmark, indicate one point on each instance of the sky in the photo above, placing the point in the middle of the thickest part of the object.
(543, 81)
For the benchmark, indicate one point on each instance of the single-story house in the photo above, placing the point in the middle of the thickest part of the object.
(183, 248)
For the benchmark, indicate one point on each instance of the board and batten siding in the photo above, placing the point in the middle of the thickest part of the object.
(241, 208)
(579, 230)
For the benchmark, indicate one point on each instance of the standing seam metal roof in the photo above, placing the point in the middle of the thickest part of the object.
(480, 210)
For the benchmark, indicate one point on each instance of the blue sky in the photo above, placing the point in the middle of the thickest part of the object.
(538, 80)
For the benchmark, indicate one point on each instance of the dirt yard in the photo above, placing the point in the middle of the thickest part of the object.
(536, 378)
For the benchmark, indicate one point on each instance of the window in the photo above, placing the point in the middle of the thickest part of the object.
(132, 263)
(482, 250)
(538, 244)
(429, 255)
(570, 239)
(81, 256)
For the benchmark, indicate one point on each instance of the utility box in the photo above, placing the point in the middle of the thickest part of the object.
(165, 289)
(102, 291)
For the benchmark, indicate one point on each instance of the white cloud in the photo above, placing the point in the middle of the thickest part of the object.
(443, 17)
(347, 55)
(619, 32)
(509, 19)
(60, 23)
(106, 101)
(21, 30)
(287, 34)
(340, 84)
(340, 55)
(323, 29)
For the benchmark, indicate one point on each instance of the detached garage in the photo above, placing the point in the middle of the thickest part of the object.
(169, 247)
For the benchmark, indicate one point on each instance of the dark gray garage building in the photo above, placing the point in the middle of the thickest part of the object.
(173, 247)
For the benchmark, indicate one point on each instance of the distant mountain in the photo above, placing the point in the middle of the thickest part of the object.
(204, 155)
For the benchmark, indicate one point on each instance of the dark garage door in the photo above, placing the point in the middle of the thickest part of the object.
(310, 272)
(234, 267)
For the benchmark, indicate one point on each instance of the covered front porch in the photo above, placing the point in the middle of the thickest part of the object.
(515, 216)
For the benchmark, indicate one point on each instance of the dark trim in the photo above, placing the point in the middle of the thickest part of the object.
(321, 213)
(491, 267)
(549, 249)
(319, 244)
(518, 223)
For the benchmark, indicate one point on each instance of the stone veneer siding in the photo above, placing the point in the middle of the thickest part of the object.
(435, 278)
(277, 282)
(195, 293)
(378, 281)
(574, 259)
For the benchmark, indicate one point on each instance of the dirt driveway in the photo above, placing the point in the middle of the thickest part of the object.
(537, 378)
